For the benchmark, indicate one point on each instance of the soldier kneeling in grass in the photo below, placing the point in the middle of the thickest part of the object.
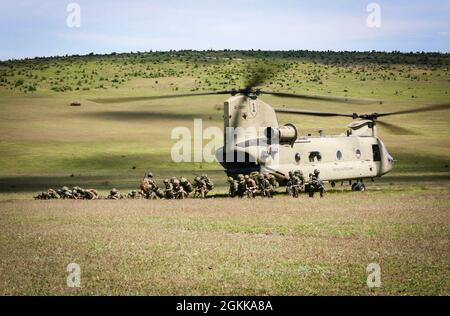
(315, 184)
(201, 189)
(114, 195)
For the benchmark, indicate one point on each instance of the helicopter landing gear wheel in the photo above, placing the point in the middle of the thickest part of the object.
(358, 186)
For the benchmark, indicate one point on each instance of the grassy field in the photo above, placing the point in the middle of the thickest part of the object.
(222, 246)
(219, 246)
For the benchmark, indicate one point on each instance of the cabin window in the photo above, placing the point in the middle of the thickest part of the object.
(315, 155)
(376, 152)
(358, 154)
(339, 155)
(297, 158)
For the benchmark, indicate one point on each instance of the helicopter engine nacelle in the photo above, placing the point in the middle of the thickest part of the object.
(286, 134)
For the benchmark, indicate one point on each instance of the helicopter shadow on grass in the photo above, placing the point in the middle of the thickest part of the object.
(128, 116)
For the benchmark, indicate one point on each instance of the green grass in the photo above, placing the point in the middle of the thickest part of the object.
(235, 247)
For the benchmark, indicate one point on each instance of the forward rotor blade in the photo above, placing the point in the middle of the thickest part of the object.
(258, 73)
(312, 113)
(396, 130)
(436, 107)
(320, 98)
(161, 97)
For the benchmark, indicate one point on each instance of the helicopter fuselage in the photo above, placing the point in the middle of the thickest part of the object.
(356, 155)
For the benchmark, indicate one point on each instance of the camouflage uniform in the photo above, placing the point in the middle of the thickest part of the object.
(178, 190)
(168, 190)
(300, 180)
(273, 181)
(233, 190)
(77, 193)
(114, 195)
(160, 193)
(42, 196)
(65, 193)
(255, 177)
(209, 183)
(91, 194)
(292, 185)
(201, 189)
(53, 194)
(135, 194)
(148, 186)
(187, 186)
(251, 187)
(264, 186)
(242, 186)
(315, 184)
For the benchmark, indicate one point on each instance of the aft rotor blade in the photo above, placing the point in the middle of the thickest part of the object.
(160, 97)
(320, 98)
(313, 113)
(436, 107)
(395, 129)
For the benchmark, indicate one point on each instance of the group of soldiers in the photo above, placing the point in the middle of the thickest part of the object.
(173, 188)
(297, 183)
(252, 185)
(76, 193)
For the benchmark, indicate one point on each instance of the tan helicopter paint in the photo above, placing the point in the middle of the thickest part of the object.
(355, 159)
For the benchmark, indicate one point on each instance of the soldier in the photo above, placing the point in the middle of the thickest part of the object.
(178, 190)
(233, 190)
(315, 184)
(209, 183)
(168, 190)
(134, 194)
(53, 194)
(187, 186)
(201, 189)
(160, 193)
(255, 177)
(75, 194)
(300, 180)
(114, 195)
(148, 185)
(251, 187)
(291, 188)
(65, 193)
(273, 181)
(91, 194)
(242, 186)
(42, 196)
(265, 188)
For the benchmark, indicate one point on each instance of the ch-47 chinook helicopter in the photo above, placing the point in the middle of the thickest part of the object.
(353, 156)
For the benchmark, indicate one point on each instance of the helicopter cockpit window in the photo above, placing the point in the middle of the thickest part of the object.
(358, 154)
(297, 158)
(315, 155)
(376, 153)
(339, 155)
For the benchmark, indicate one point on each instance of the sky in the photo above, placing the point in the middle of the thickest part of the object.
(36, 28)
